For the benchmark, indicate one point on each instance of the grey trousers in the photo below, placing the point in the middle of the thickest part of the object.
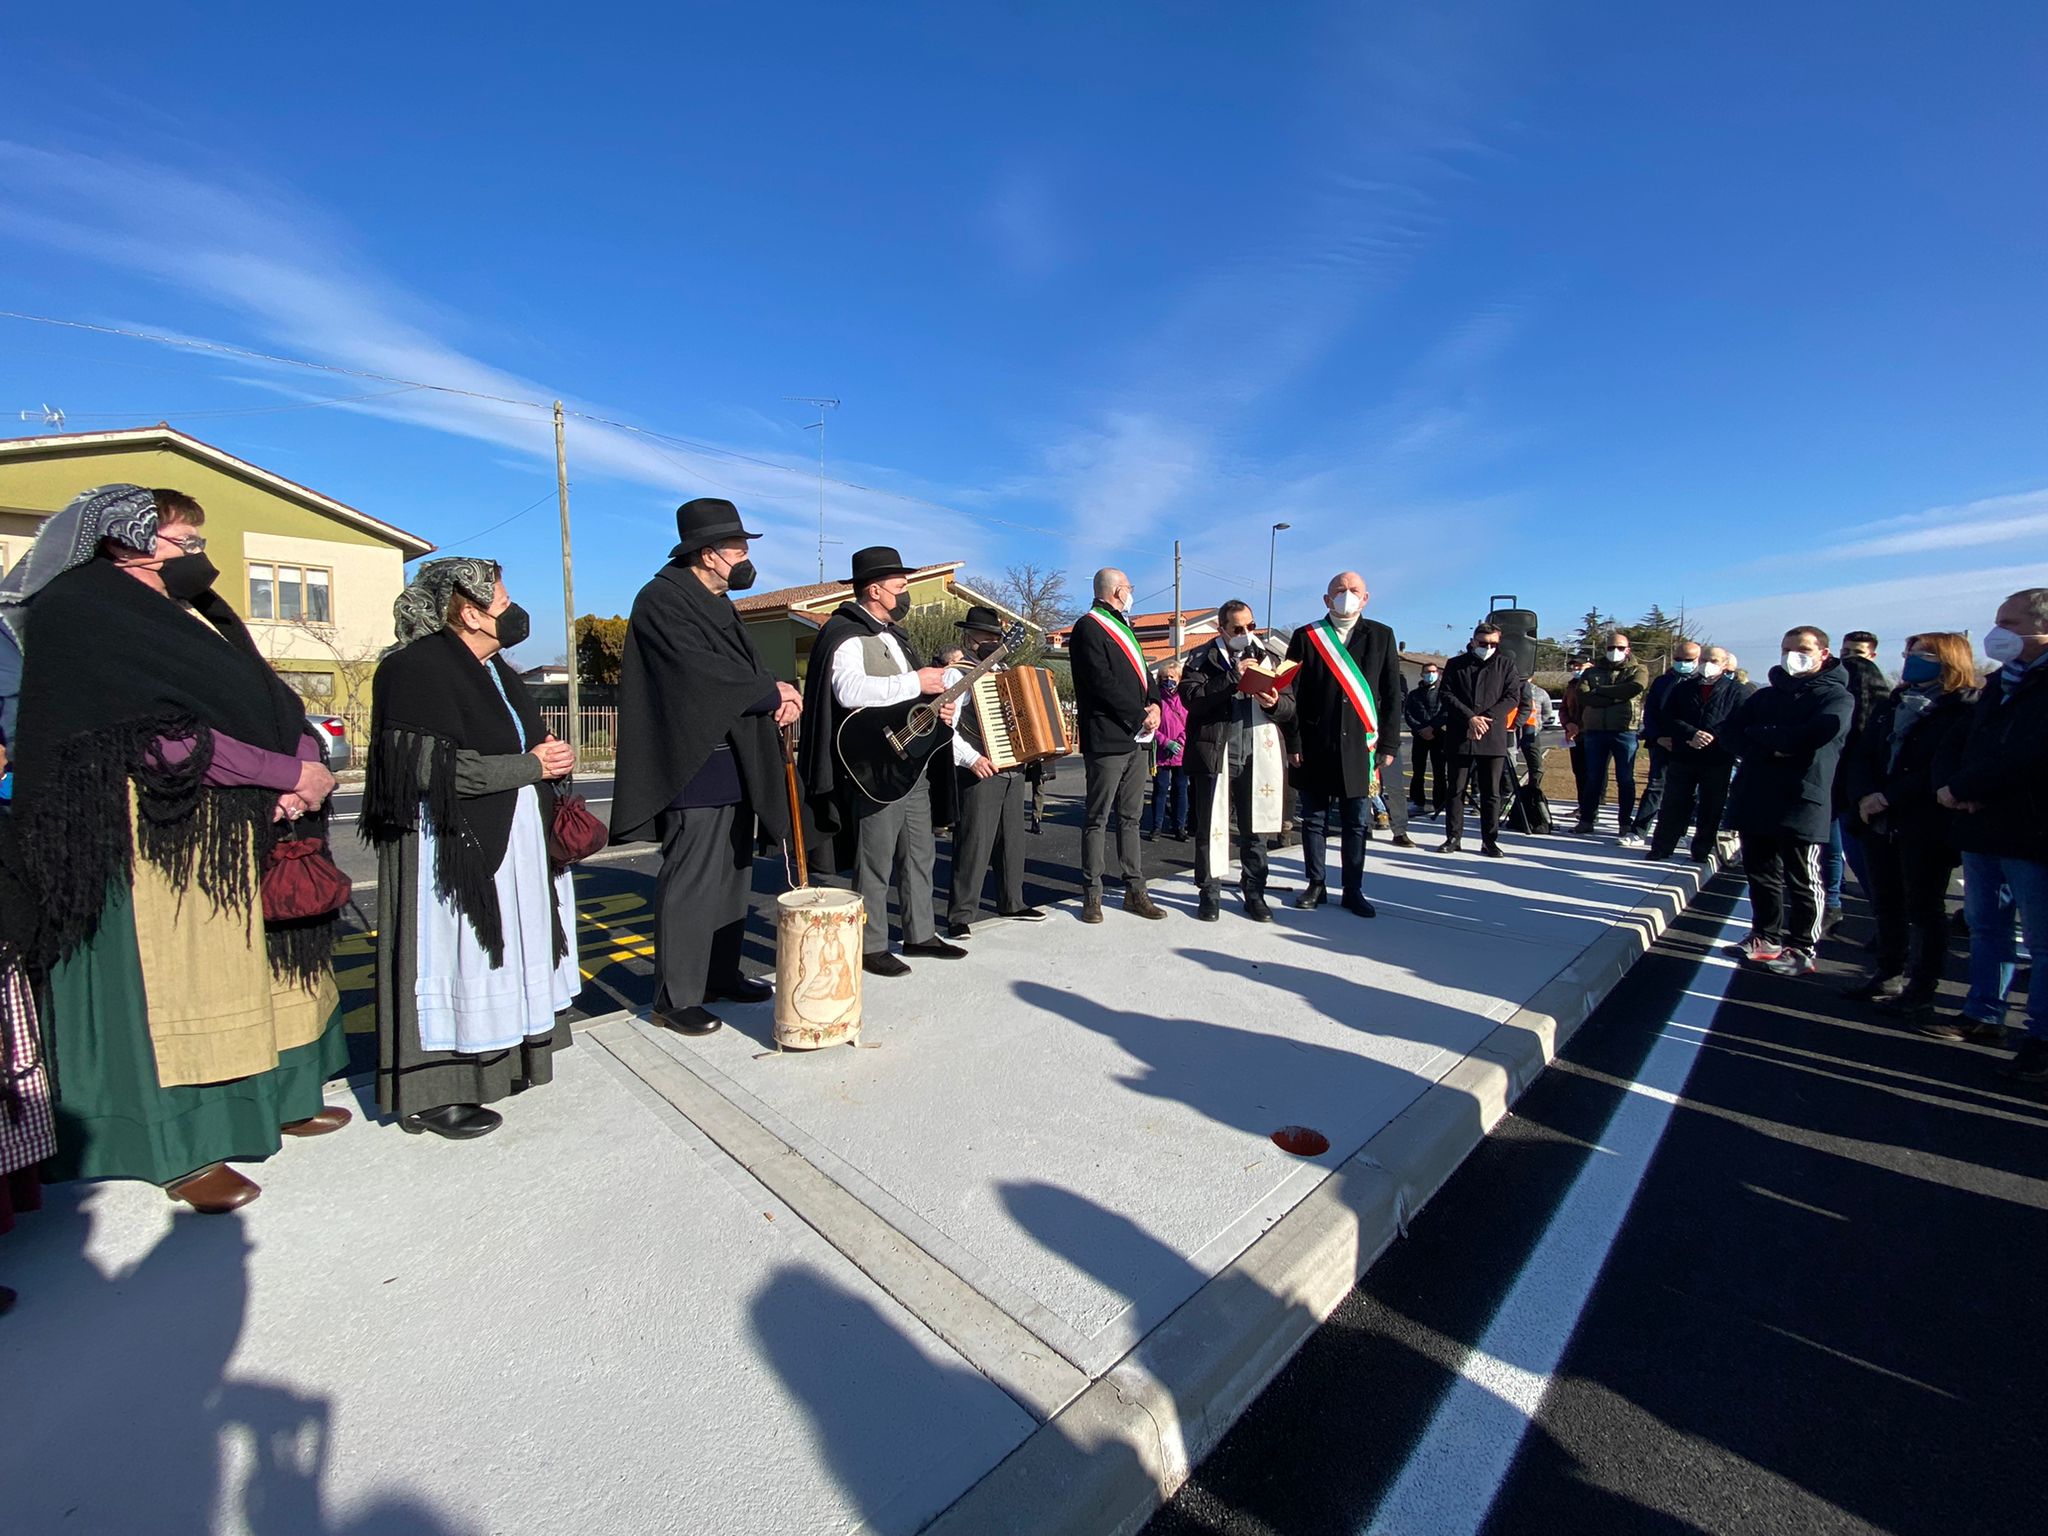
(1116, 785)
(700, 901)
(990, 821)
(894, 847)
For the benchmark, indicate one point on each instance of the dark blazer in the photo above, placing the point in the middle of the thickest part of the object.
(1334, 759)
(1209, 685)
(1473, 687)
(1867, 690)
(1907, 784)
(1700, 706)
(1789, 737)
(1998, 759)
(1109, 697)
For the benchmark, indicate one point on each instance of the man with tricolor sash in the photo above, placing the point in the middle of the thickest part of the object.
(1117, 699)
(1347, 708)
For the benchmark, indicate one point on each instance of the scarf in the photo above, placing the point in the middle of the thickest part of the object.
(112, 668)
(422, 608)
(1909, 706)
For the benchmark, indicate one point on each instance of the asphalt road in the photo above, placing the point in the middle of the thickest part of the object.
(1818, 1315)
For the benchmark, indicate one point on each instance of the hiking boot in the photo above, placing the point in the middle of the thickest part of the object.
(1091, 909)
(1793, 962)
(1138, 903)
(2030, 1063)
(1380, 823)
(1756, 949)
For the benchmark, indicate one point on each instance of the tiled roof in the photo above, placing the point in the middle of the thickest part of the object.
(800, 597)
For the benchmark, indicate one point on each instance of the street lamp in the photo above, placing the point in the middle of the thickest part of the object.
(1272, 544)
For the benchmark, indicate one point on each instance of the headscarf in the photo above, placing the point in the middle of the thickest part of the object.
(422, 608)
(124, 513)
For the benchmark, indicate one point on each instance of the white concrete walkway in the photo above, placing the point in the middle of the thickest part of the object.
(698, 1286)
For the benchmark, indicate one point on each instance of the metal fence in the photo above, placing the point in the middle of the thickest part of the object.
(600, 727)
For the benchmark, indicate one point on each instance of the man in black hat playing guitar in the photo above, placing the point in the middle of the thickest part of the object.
(699, 763)
(863, 660)
(990, 819)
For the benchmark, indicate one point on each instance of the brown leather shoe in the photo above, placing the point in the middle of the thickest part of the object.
(214, 1189)
(1138, 902)
(332, 1118)
(1091, 909)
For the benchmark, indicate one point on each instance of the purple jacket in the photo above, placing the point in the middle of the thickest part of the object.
(1173, 729)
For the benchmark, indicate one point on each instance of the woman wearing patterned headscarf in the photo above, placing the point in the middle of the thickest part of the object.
(157, 758)
(473, 953)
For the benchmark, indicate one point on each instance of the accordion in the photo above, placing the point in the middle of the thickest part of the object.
(1020, 716)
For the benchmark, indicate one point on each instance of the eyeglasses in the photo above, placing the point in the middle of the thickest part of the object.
(1240, 629)
(191, 544)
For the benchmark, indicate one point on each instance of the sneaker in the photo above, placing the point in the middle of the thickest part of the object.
(1959, 1027)
(1793, 962)
(1756, 949)
(1630, 840)
(2030, 1063)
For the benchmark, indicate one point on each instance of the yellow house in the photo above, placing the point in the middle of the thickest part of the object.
(314, 577)
(784, 623)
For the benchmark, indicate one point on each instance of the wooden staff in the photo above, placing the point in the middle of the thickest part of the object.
(796, 805)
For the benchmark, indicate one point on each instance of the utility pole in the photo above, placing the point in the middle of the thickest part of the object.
(823, 404)
(575, 737)
(1176, 626)
(1272, 544)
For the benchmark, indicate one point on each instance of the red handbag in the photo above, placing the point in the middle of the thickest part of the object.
(574, 833)
(301, 879)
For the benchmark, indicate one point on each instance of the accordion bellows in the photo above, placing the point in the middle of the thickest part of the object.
(1020, 716)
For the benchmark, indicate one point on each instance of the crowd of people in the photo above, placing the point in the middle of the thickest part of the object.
(169, 905)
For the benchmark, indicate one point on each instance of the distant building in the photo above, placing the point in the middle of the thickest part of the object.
(1155, 632)
(784, 623)
(1412, 663)
(314, 577)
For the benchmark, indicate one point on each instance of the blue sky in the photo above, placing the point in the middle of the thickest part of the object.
(1610, 303)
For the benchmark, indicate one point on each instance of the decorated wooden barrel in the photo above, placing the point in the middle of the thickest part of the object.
(817, 968)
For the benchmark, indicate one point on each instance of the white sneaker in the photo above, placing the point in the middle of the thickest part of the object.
(1630, 840)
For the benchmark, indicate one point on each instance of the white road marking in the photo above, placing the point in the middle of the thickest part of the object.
(340, 816)
(1451, 1478)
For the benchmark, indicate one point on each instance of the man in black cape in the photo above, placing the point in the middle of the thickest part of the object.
(699, 764)
(863, 660)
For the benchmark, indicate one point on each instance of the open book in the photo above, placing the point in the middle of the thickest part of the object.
(1258, 680)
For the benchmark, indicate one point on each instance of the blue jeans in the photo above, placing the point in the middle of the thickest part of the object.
(1171, 785)
(1845, 850)
(1601, 747)
(2003, 899)
(1354, 815)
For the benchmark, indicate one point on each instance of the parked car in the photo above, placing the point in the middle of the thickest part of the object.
(334, 734)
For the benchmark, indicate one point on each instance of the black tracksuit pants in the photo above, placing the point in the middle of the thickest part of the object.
(1784, 888)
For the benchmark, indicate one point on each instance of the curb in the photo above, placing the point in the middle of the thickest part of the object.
(1106, 1462)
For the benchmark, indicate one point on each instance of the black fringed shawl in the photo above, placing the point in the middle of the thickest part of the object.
(112, 667)
(430, 700)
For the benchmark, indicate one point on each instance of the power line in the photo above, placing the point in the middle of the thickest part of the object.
(253, 410)
(546, 496)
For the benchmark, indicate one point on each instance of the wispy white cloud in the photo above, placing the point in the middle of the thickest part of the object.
(1971, 525)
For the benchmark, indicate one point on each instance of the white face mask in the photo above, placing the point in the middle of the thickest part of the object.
(1685, 668)
(2003, 645)
(1799, 663)
(1712, 669)
(1238, 642)
(1430, 678)
(1483, 652)
(1617, 655)
(1344, 604)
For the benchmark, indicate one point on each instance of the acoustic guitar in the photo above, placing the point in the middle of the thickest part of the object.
(885, 750)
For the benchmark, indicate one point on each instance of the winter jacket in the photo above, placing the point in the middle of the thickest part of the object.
(1473, 687)
(1653, 703)
(1209, 685)
(1700, 706)
(1423, 704)
(1327, 730)
(1611, 696)
(1867, 690)
(1908, 783)
(1109, 696)
(1997, 759)
(1173, 727)
(1789, 737)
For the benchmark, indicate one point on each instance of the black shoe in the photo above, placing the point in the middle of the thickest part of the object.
(1583, 829)
(457, 1122)
(2030, 1064)
(741, 989)
(1905, 1010)
(1871, 988)
(1255, 907)
(959, 931)
(1450, 845)
(1491, 851)
(882, 963)
(1021, 915)
(689, 1021)
(1209, 909)
(1311, 896)
(1699, 858)
(935, 949)
(1355, 902)
(1403, 840)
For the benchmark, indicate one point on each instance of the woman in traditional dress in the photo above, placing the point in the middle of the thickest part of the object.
(27, 1133)
(474, 959)
(157, 758)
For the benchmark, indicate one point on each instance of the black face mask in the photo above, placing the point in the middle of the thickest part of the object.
(514, 625)
(900, 609)
(986, 649)
(741, 576)
(187, 576)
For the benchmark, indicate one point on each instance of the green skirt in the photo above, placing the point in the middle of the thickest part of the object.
(114, 1120)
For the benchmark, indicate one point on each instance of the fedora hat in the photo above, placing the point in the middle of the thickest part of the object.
(878, 562)
(704, 521)
(981, 616)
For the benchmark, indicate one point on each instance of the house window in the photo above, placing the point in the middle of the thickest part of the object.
(315, 687)
(290, 593)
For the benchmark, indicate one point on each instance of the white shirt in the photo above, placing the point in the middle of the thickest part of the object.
(853, 688)
(963, 751)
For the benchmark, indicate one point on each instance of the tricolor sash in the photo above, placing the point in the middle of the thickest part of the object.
(1126, 640)
(1344, 666)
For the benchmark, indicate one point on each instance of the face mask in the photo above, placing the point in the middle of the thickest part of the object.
(1617, 656)
(1685, 668)
(1799, 663)
(741, 576)
(986, 649)
(1483, 652)
(2003, 645)
(186, 576)
(899, 610)
(1712, 669)
(1921, 669)
(514, 625)
(1346, 603)
(1430, 678)
(1167, 685)
(1238, 642)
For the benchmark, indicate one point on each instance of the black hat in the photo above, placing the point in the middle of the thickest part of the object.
(878, 562)
(981, 616)
(704, 521)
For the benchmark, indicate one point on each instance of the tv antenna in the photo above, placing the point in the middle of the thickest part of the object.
(48, 416)
(823, 404)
